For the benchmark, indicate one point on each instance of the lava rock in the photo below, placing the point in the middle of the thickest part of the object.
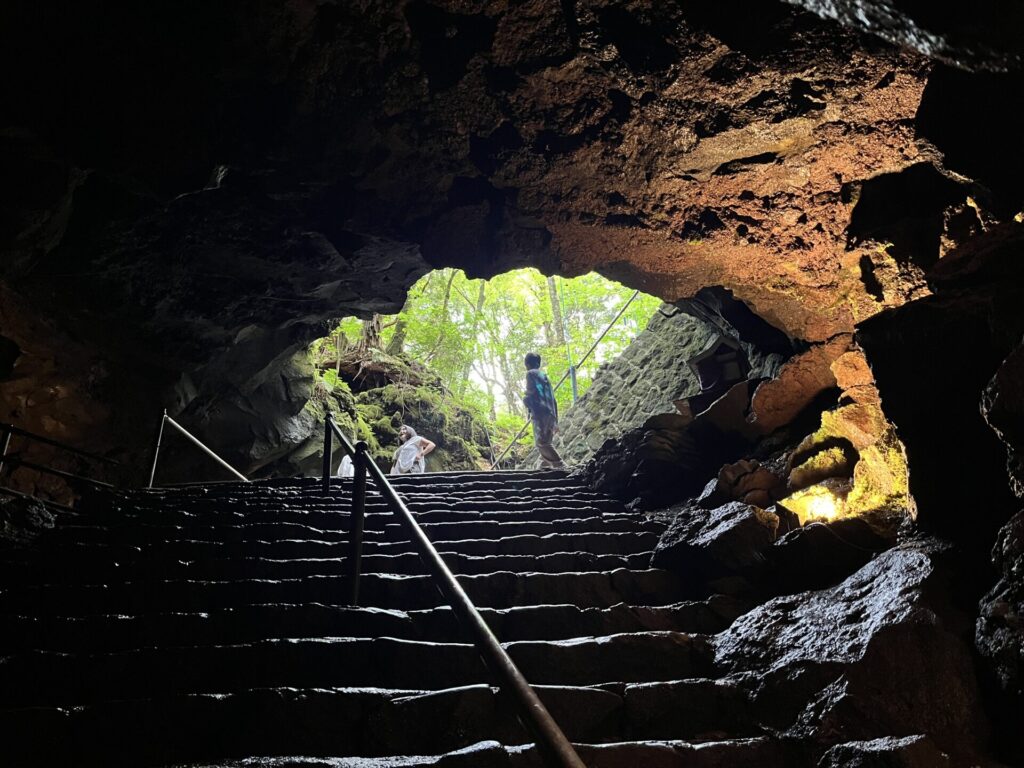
(999, 634)
(23, 520)
(821, 554)
(724, 541)
(1002, 406)
(880, 654)
(890, 752)
(779, 401)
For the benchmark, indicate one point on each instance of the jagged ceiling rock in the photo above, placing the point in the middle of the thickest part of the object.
(671, 146)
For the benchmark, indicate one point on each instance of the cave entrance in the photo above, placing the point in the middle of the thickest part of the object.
(450, 364)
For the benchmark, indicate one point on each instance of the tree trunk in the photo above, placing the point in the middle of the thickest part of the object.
(397, 344)
(443, 320)
(511, 385)
(370, 338)
(480, 297)
(556, 313)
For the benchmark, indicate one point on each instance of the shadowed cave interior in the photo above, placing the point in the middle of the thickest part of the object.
(817, 562)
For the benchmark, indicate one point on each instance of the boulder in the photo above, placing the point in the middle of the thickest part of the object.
(22, 520)
(819, 555)
(801, 380)
(881, 654)
(1000, 630)
(999, 635)
(888, 752)
(728, 540)
(745, 480)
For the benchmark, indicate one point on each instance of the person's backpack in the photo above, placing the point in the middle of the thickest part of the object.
(541, 397)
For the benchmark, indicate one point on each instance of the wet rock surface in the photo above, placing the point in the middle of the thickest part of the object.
(22, 521)
(731, 539)
(908, 752)
(883, 652)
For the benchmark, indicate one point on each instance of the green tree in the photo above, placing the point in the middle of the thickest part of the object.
(474, 334)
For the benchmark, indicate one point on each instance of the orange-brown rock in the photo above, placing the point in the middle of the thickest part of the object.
(777, 402)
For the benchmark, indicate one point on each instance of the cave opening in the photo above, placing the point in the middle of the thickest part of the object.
(450, 364)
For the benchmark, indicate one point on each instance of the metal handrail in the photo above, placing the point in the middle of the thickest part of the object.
(571, 370)
(10, 429)
(551, 742)
(7, 431)
(165, 419)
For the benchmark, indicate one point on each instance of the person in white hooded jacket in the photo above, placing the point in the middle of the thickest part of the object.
(410, 456)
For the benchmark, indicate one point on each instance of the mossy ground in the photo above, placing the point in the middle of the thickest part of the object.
(400, 391)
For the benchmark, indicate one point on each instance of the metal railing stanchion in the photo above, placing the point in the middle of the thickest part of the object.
(5, 444)
(156, 449)
(358, 516)
(328, 446)
(165, 419)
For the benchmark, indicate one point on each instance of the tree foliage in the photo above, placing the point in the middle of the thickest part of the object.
(474, 335)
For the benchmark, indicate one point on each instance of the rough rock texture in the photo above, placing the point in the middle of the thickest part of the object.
(908, 752)
(980, 37)
(999, 635)
(646, 380)
(881, 654)
(932, 360)
(728, 540)
(672, 456)
(820, 555)
(800, 381)
(205, 173)
(1003, 408)
(22, 520)
(643, 381)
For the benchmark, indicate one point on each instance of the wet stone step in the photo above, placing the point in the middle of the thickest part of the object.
(497, 590)
(152, 533)
(619, 543)
(281, 721)
(734, 753)
(247, 623)
(166, 568)
(340, 519)
(369, 723)
(558, 622)
(226, 626)
(42, 678)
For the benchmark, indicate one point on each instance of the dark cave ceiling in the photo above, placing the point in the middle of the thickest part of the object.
(193, 170)
(199, 188)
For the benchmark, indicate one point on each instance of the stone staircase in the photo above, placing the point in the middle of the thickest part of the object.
(205, 626)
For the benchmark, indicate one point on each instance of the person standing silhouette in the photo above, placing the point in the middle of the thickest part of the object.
(540, 402)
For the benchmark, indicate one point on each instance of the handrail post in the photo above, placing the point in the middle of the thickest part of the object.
(357, 517)
(328, 445)
(5, 444)
(156, 449)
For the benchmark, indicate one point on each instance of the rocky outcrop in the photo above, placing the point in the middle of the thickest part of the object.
(648, 379)
(889, 752)
(882, 654)
(999, 635)
(1003, 408)
(728, 540)
(932, 360)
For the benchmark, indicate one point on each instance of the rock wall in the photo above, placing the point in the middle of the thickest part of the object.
(645, 380)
